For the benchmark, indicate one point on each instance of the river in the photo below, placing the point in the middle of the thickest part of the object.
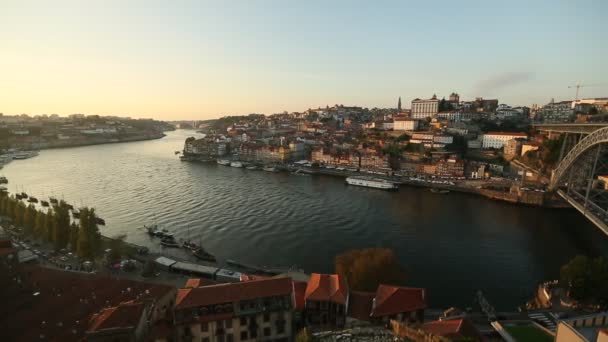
(451, 244)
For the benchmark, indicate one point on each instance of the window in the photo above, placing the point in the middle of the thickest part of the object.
(280, 327)
(243, 321)
(267, 331)
(243, 335)
(228, 324)
(221, 338)
(205, 326)
(254, 333)
(323, 305)
(205, 339)
(187, 331)
(229, 338)
(266, 317)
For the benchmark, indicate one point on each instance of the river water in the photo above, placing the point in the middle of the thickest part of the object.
(451, 244)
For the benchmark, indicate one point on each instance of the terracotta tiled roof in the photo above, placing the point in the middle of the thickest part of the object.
(125, 315)
(360, 305)
(250, 277)
(327, 287)
(61, 303)
(299, 290)
(226, 293)
(455, 329)
(193, 282)
(392, 300)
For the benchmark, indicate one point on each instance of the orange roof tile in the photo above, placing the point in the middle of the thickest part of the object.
(327, 287)
(226, 293)
(455, 328)
(392, 300)
(299, 290)
(125, 315)
(193, 282)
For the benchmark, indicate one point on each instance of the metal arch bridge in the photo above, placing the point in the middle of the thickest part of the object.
(575, 178)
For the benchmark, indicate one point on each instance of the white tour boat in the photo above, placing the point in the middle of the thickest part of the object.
(372, 183)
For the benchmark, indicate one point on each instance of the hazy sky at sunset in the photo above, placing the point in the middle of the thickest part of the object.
(204, 59)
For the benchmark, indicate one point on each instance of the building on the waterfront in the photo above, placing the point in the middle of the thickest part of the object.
(422, 109)
(127, 321)
(326, 300)
(207, 147)
(451, 167)
(499, 139)
(254, 310)
(431, 140)
(402, 304)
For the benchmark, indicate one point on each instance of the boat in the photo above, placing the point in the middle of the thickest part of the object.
(224, 162)
(100, 221)
(71, 207)
(236, 164)
(3, 180)
(18, 196)
(202, 254)
(270, 169)
(269, 270)
(53, 200)
(44, 203)
(151, 230)
(190, 245)
(371, 182)
(76, 213)
(252, 167)
(23, 195)
(33, 200)
(178, 152)
(169, 241)
(25, 154)
(439, 191)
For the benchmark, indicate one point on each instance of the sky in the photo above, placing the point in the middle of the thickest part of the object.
(173, 60)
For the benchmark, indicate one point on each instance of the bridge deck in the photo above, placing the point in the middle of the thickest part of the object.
(598, 222)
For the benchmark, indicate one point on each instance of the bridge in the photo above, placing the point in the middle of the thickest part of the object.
(583, 157)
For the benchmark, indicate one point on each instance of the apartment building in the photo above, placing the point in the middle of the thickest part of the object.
(326, 300)
(254, 310)
(499, 139)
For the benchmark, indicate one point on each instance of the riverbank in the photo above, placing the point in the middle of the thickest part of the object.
(89, 141)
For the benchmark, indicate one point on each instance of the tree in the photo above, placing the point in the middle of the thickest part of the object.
(47, 230)
(88, 234)
(19, 213)
(304, 336)
(365, 269)
(117, 247)
(39, 224)
(61, 225)
(29, 219)
(74, 228)
(585, 278)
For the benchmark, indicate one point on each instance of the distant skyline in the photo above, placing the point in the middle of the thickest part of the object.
(206, 59)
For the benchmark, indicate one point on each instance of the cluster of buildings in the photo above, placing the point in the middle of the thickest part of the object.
(44, 131)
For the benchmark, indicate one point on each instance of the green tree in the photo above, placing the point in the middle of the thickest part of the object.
(29, 219)
(117, 247)
(39, 225)
(61, 225)
(47, 230)
(74, 228)
(10, 207)
(585, 278)
(365, 269)
(19, 213)
(89, 237)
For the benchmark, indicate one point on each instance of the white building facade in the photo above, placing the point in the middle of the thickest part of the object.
(422, 109)
(499, 139)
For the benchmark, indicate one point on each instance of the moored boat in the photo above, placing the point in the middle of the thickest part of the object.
(100, 221)
(151, 230)
(44, 203)
(202, 254)
(270, 169)
(224, 162)
(33, 200)
(236, 164)
(3, 180)
(370, 182)
(53, 200)
(252, 167)
(169, 241)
